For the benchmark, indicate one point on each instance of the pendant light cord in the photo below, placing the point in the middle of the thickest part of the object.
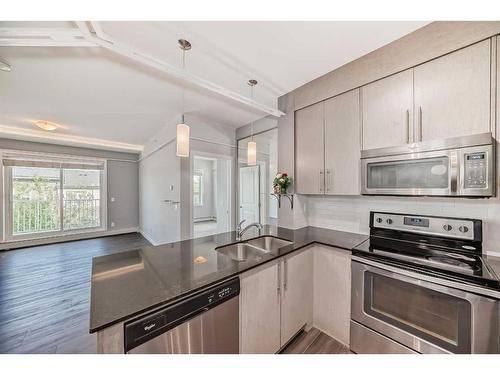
(183, 69)
(251, 124)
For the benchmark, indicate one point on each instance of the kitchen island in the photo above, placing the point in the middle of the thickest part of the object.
(131, 283)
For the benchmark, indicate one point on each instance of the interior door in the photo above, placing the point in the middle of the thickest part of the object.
(388, 111)
(452, 94)
(342, 144)
(249, 194)
(223, 195)
(309, 150)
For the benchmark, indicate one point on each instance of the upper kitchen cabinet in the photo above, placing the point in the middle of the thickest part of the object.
(452, 94)
(309, 150)
(342, 144)
(387, 111)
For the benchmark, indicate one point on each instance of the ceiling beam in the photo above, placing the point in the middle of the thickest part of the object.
(38, 31)
(42, 37)
(15, 42)
(94, 34)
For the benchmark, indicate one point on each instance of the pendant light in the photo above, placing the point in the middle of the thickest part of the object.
(251, 146)
(182, 128)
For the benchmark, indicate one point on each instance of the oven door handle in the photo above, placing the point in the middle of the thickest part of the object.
(441, 285)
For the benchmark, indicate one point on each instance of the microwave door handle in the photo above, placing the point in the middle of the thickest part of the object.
(454, 173)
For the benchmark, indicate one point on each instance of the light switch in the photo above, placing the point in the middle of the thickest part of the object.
(112, 199)
(171, 187)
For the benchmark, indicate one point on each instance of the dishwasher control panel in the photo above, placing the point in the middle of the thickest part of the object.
(147, 327)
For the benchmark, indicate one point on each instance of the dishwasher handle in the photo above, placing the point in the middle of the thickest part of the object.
(156, 323)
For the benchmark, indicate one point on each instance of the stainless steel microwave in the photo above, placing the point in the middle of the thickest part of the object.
(462, 166)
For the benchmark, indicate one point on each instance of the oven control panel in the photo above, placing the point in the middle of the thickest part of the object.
(430, 225)
(475, 170)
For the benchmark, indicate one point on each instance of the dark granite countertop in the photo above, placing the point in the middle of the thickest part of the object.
(132, 282)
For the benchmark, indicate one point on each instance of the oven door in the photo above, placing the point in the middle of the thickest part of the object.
(419, 173)
(421, 315)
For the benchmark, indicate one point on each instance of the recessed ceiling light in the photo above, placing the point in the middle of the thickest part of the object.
(46, 125)
(4, 67)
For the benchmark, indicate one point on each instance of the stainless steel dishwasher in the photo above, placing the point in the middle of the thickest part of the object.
(206, 322)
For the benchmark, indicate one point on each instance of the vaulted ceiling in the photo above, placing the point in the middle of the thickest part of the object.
(98, 95)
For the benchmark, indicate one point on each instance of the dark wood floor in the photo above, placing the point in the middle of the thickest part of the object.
(315, 342)
(45, 291)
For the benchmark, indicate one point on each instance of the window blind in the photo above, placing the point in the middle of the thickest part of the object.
(38, 163)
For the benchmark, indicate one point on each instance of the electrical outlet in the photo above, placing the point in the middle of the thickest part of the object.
(112, 199)
(112, 224)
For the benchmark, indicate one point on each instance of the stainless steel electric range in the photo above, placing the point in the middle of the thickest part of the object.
(420, 284)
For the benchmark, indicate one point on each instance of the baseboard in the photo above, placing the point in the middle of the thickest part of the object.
(71, 237)
(153, 242)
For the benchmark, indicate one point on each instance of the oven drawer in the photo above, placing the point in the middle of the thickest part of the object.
(365, 341)
(421, 315)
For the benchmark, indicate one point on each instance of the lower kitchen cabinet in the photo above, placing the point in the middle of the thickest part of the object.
(260, 310)
(332, 292)
(275, 303)
(296, 296)
(311, 287)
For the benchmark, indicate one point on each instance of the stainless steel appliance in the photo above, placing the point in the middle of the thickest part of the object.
(420, 284)
(463, 166)
(207, 322)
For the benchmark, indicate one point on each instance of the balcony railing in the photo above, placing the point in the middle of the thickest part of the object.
(36, 216)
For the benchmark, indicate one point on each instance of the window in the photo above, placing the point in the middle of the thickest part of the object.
(49, 197)
(198, 188)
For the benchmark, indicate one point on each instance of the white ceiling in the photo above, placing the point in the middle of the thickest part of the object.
(94, 93)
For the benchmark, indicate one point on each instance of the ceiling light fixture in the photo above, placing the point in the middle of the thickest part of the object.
(46, 125)
(182, 128)
(4, 67)
(251, 146)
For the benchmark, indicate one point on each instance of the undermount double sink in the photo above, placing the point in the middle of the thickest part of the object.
(253, 249)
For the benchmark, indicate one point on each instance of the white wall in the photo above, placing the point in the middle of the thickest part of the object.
(160, 221)
(351, 214)
(207, 209)
(160, 168)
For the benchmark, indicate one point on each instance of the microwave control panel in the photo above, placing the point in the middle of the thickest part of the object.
(475, 170)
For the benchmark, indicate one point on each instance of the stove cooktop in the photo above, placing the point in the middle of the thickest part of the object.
(451, 263)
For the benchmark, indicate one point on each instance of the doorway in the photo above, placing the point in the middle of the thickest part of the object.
(255, 202)
(249, 194)
(211, 195)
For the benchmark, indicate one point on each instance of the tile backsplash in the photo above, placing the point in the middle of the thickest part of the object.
(352, 213)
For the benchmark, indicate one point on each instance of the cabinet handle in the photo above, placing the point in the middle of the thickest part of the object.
(320, 178)
(407, 126)
(278, 289)
(328, 180)
(420, 123)
(285, 273)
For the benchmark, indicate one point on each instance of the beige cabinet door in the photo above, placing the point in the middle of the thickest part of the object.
(332, 292)
(260, 310)
(309, 150)
(296, 301)
(452, 94)
(342, 144)
(387, 111)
